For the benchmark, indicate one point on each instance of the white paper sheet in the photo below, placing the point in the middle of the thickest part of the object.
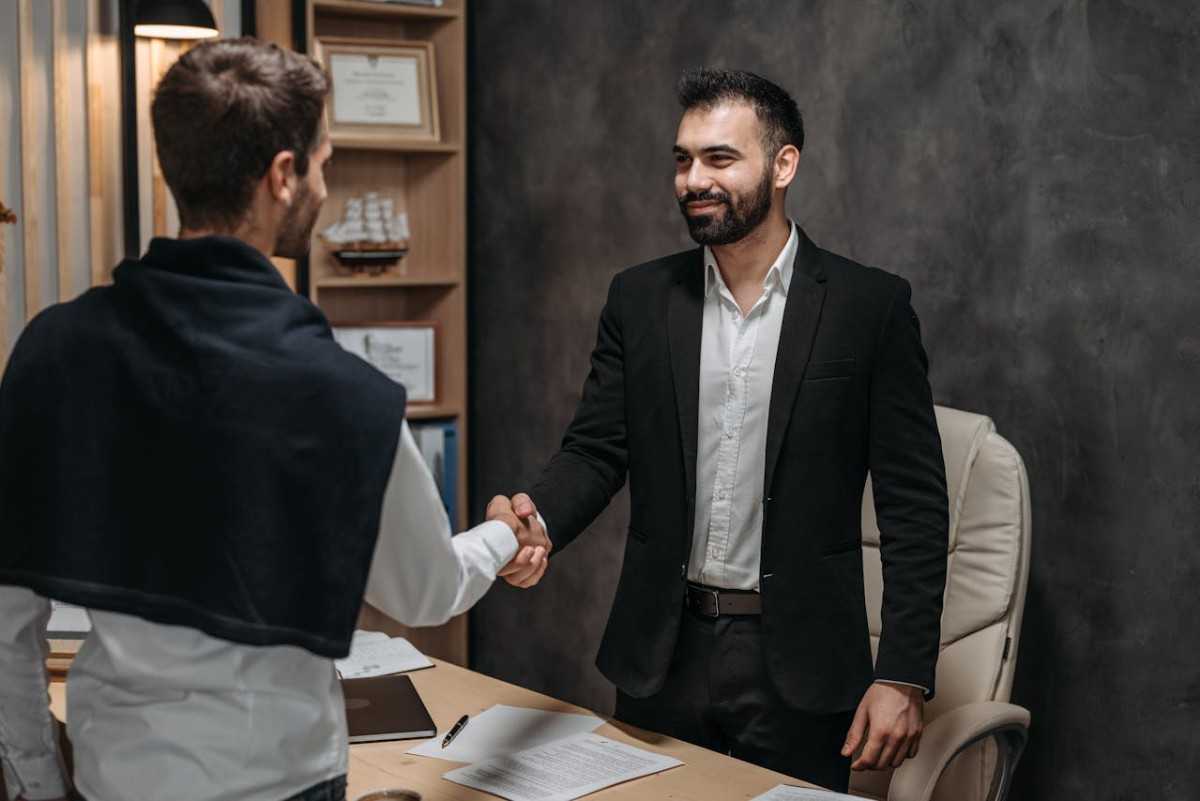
(68, 621)
(562, 770)
(786, 792)
(374, 653)
(503, 730)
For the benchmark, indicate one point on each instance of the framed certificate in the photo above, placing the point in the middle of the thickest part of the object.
(381, 91)
(404, 352)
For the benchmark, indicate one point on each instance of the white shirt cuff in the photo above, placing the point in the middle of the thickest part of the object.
(920, 687)
(495, 537)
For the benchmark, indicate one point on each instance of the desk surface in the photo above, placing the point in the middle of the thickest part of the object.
(450, 691)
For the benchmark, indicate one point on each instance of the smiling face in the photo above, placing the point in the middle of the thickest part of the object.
(724, 180)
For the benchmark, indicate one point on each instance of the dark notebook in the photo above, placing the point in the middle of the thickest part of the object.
(385, 708)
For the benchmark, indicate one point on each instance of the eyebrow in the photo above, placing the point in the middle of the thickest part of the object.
(712, 150)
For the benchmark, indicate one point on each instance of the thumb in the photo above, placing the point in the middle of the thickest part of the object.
(858, 728)
(523, 505)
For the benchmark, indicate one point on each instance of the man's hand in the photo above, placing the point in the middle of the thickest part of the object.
(890, 719)
(529, 565)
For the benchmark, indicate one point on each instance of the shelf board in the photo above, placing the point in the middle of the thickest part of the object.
(364, 8)
(431, 411)
(372, 281)
(347, 142)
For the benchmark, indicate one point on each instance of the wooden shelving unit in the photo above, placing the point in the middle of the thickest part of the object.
(428, 180)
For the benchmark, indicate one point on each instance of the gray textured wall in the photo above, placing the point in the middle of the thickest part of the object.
(1032, 167)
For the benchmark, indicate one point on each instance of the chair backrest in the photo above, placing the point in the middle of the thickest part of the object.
(986, 578)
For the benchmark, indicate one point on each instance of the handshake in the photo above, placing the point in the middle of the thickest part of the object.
(533, 545)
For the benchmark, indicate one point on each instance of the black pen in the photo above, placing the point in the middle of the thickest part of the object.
(455, 729)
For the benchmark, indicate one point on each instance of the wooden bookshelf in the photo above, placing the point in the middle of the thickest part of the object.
(428, 181)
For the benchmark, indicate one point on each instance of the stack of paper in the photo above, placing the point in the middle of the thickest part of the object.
(526, 754)
(503, 730)
(374, 653)
(562, 770)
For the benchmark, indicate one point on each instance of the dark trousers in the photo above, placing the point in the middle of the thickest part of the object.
(718, 695)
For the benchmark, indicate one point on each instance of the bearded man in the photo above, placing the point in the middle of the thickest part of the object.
(746, 388)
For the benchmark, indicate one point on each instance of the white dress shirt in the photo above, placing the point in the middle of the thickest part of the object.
(167, 712)
(737, 368)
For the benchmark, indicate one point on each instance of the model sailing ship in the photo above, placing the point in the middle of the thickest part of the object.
(370, 236)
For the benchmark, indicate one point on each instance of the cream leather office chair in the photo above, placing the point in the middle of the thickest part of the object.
(973, 736)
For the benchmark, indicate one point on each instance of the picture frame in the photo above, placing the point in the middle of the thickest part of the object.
(405, 352)
(382, 93)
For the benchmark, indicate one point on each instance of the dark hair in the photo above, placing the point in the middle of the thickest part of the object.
(777, 111)
(222, 113)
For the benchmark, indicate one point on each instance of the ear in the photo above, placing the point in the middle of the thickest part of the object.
(281, 177)
(787, 160)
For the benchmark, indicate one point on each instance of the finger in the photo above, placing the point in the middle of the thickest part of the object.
(528, 565)
(537, 575)
(892, 744)
(903, 752)
(498, 504)
(857, 728)
(869, 757)
(915, 747)
(518, 563)
(523, 505)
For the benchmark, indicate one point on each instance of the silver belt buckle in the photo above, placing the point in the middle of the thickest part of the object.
(716, 596)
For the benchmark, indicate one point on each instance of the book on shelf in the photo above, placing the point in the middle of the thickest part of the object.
(438, 442)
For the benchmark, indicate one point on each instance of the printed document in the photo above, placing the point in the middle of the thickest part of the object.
(373, 653)
(502, 730)
(562, 770)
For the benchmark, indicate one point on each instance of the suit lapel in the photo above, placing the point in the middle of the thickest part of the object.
(801, 314)
(685, 316)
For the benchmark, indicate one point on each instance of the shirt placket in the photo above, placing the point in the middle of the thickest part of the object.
(743, 333)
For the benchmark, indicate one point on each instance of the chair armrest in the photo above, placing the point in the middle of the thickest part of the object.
(951, 733)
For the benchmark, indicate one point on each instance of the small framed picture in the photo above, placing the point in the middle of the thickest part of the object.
(404, 352)
(381, 92)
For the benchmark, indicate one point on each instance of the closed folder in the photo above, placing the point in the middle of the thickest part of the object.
(385, 708)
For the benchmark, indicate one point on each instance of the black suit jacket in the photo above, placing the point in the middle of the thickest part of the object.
(850, 394)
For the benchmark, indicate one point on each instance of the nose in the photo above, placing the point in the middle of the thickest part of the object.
(698, 179)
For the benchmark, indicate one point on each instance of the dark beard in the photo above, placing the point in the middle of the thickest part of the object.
(295, 235)
(739, 219)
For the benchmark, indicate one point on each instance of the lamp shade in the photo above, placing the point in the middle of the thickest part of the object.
(174, 19)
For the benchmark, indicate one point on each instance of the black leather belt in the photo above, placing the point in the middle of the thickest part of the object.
(714, 602)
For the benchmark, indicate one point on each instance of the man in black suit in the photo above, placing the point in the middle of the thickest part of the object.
(746, 388)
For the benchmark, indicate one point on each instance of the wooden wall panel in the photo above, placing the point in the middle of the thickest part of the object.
(33, 132)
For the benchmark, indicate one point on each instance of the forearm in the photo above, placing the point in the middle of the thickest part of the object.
(590, 467)
(909, 482)
(572, 492)
(28, 736)
(420, 575)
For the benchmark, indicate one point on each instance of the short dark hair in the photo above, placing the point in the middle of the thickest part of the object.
(222, 113)
(782, 123)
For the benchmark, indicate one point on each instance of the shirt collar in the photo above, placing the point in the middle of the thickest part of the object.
(779, 275)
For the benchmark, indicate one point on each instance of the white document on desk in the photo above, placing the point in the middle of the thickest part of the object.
(787, 792)
(562, 770)
(502, 730)
(373, 653)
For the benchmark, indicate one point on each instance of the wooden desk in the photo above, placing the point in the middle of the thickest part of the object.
(450, 691)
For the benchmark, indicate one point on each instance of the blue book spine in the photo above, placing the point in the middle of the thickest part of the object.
(450, 473)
